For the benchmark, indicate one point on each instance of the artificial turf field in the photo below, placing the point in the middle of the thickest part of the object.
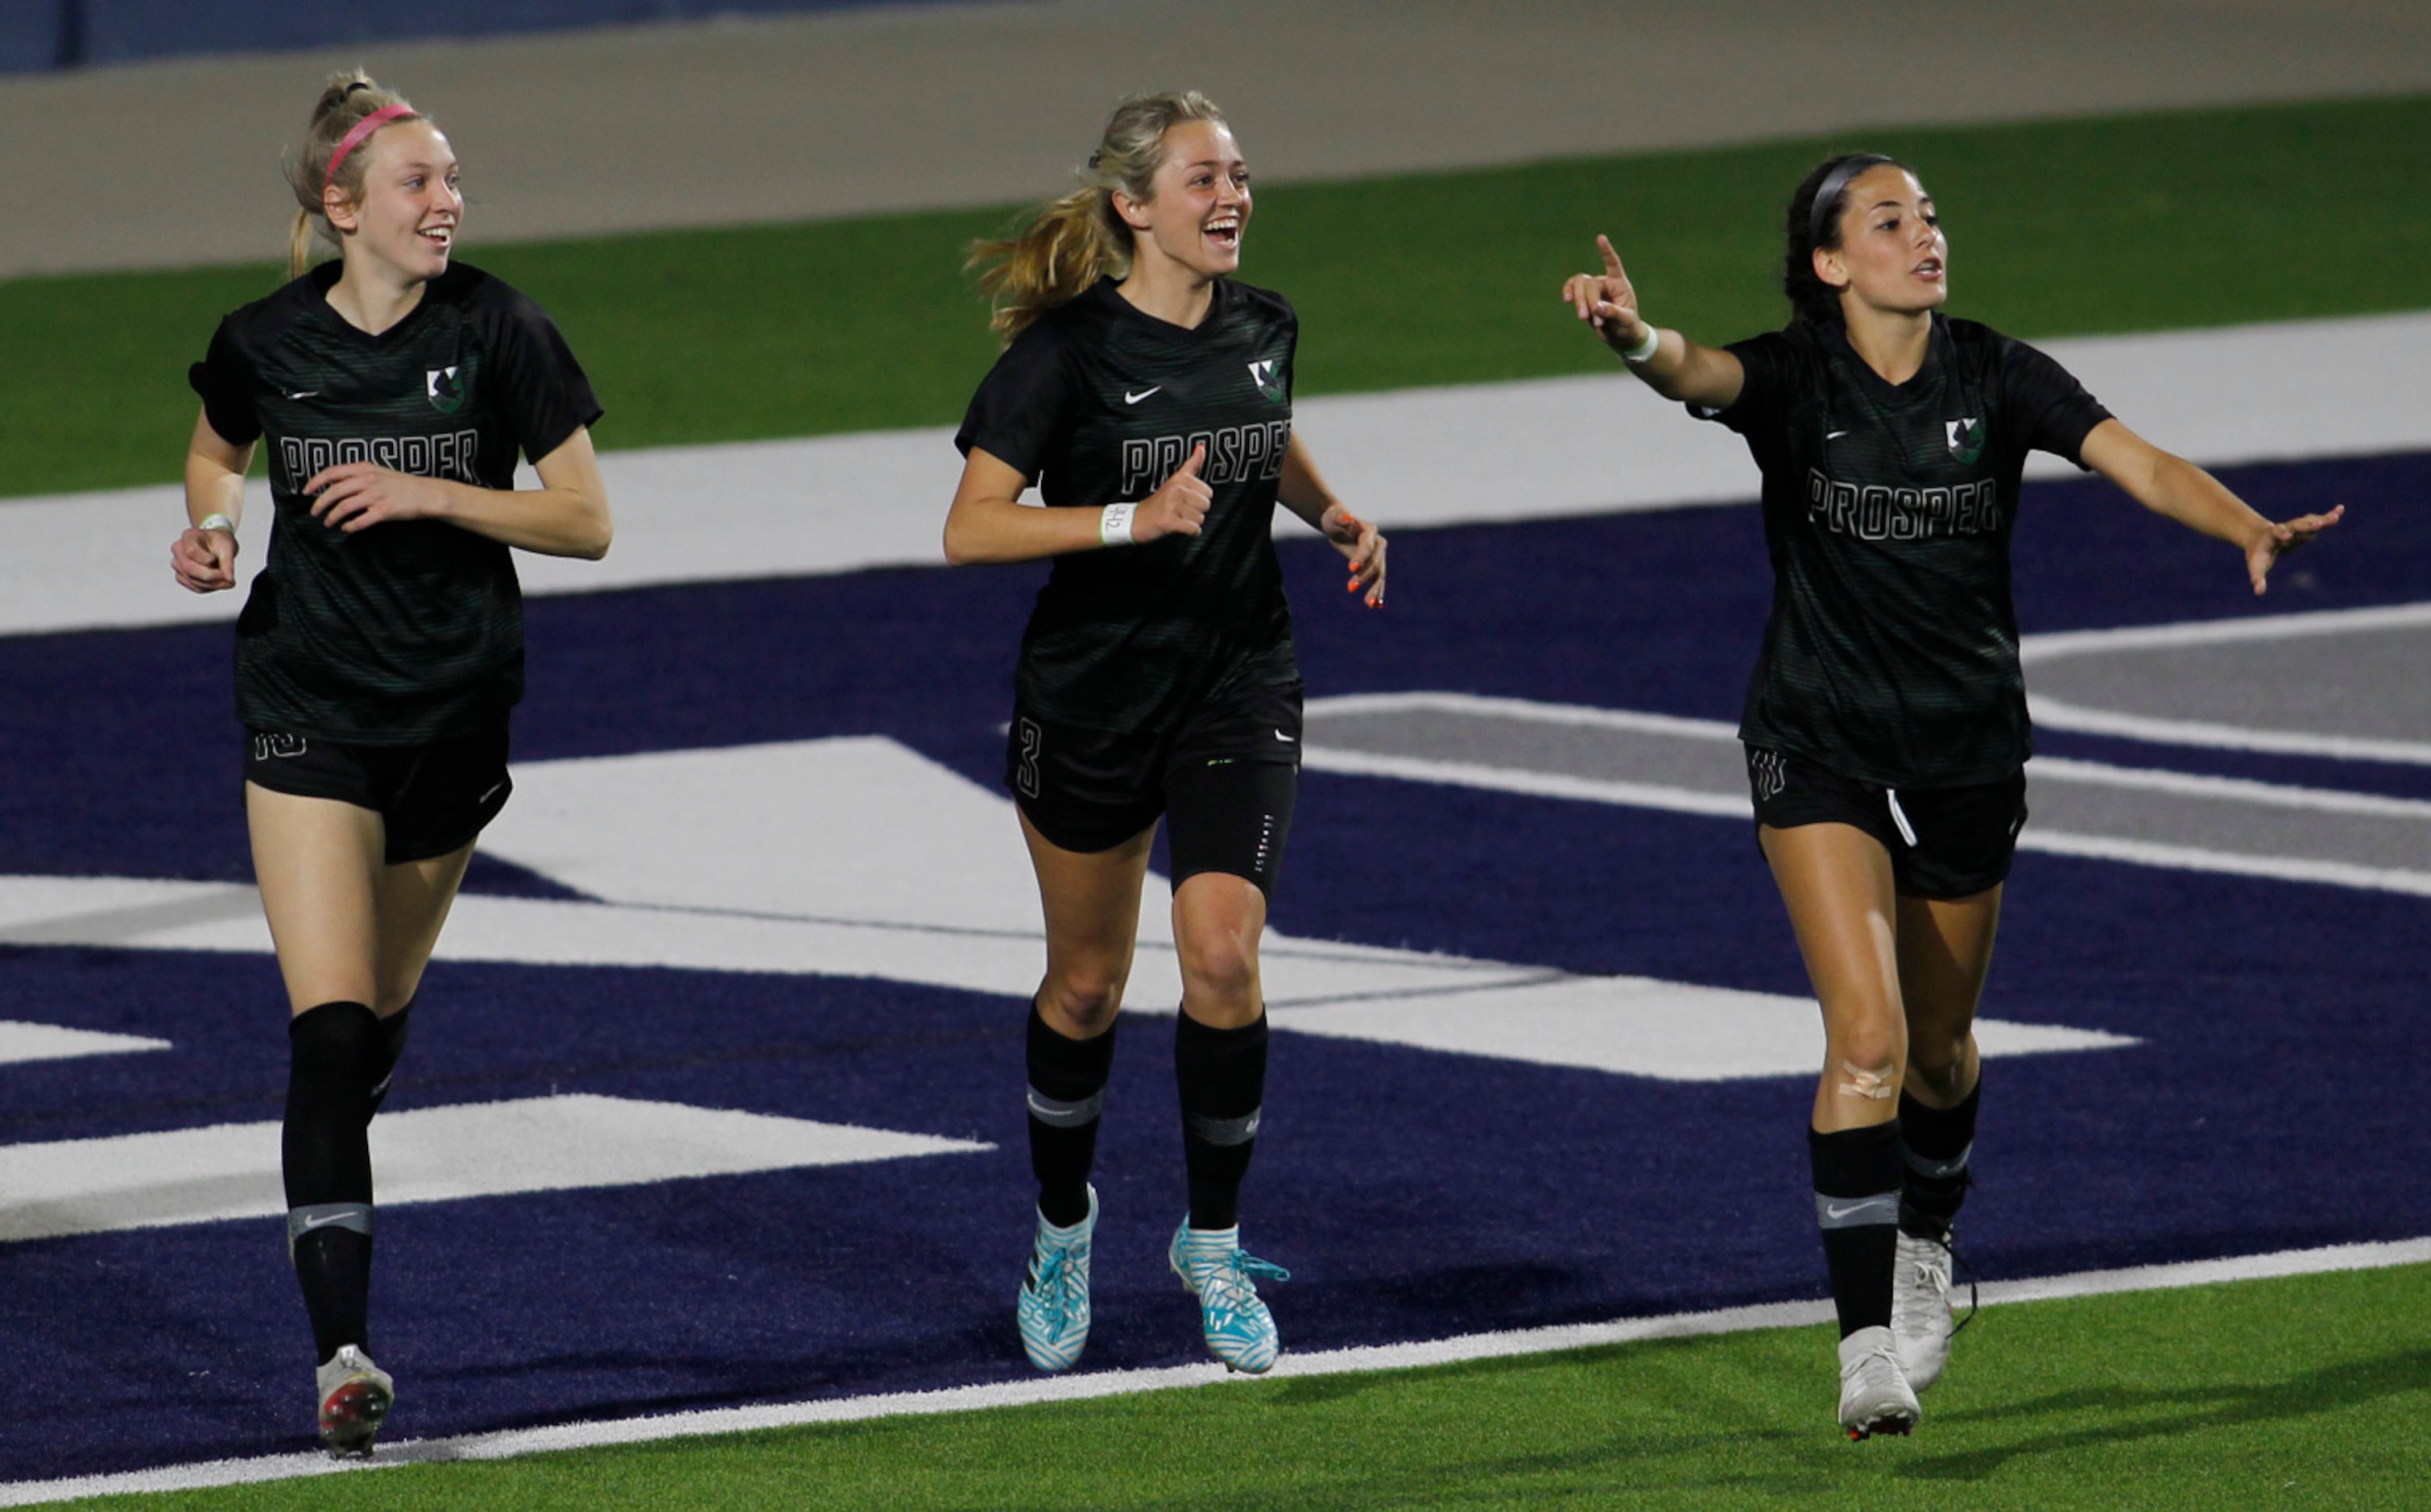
(2296, 1392)
(2300, 1393)
(2058, 228)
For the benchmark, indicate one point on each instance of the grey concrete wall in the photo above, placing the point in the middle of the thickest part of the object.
(889, 108)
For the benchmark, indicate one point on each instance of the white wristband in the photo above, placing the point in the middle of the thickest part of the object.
(1645, 350)
(217, 522)
(1115, 525)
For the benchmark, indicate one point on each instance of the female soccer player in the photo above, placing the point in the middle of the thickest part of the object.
(382, 645)
(1149, 396)
(1885, 723)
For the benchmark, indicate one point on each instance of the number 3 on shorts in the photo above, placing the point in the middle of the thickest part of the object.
(1030, 738)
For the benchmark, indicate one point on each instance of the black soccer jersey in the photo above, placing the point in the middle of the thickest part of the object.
(1891, 655)
(410, 630)
(1100, 403)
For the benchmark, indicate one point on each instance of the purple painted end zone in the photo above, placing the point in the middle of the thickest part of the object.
(1411, 1194)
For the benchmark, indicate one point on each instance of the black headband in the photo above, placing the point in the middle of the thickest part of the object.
(1834, 184)
(349, 92)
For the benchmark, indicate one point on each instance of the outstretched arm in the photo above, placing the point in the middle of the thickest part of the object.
(1303, 492)
(2170, 486)
(1670, 364)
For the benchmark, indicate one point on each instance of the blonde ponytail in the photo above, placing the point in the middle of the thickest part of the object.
(1079, 239)
(345, 101)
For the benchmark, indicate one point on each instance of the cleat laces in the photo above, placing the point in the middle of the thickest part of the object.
(1048, 1277)
(1234, 1280)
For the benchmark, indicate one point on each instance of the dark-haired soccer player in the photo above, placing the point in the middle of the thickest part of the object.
(382, 645)
(1148, 397)
(1885, 723)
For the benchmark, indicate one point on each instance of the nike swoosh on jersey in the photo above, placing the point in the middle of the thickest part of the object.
(1129, 397)
(1833, 435)
(1288, 740)
(305, 394)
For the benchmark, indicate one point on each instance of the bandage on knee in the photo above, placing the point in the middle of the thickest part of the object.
(1876, 1086)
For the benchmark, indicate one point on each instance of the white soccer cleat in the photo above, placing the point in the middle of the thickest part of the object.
(1922, 1320)
(1875, 1397)
(355, 1396)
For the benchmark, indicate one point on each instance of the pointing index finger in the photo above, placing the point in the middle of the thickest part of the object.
(1611, 257)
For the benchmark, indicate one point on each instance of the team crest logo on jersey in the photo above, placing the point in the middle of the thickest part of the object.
(1966, 439)
(444, 390)
(1261, 373)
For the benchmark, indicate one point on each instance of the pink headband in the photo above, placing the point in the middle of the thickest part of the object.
(353, 138)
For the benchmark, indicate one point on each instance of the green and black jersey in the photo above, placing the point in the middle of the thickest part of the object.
(1099, 403)
(1891, 656)
(409, 632)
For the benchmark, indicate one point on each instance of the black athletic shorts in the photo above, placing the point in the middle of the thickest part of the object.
(432, 798)
(1945, 842)
(1225, 782)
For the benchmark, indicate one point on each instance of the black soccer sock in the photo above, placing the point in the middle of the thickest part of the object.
(392, 1049)
(325, 1156)
(1067, 1094)
(1936, 1143)
(1223, 1077)
(1857, 1205)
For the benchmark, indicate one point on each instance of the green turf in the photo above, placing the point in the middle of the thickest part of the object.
(2144, 221)
(2307, 1393)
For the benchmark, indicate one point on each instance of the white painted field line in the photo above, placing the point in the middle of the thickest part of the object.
(1528, 783)
(1577, 714)
(2043, 768)
(2056, 714)
(1095, 1386)
(2374, 1256)
(1714, 805)
(2399, 880)
(1531, 450)
(569, 1141)
(21, 1042)
(2052, 646)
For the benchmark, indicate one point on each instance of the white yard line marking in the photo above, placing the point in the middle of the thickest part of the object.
(2042, 768)
(1097, 1386)
(21, 1041)
(2050, 842)
(2055, 645)
(2402, 880)
(2059, 714)
(1321, 757)
(2234, 789)
(1541, 448)
(1532, 784)
(440, 1154)
(944, 898)
(1579, 715)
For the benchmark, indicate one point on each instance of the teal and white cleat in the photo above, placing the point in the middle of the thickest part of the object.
(1054, 1311)
(355, 1396)
(1239, 1330)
